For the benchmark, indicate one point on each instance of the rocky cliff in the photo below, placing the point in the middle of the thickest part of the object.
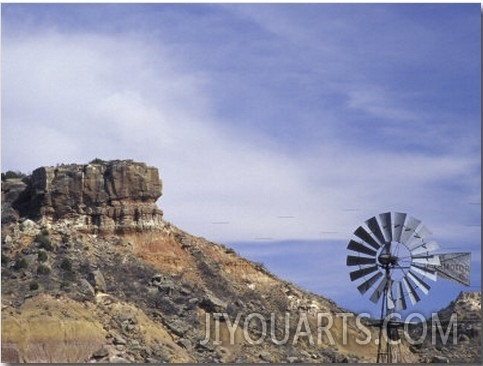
(113, 196)
(91, 273)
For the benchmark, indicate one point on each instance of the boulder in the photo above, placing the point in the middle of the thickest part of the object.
(439, 359)
(13, 190)
(100, 353)
(212, 304)
(96, 279)
(9, 214)
(185, 343)
(463, 338)
(87, 289)
(117, 359)
(119, 341)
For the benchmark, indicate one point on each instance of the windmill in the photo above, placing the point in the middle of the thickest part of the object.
(394, 262)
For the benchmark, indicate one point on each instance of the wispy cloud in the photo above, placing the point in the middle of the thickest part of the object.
(143, 101)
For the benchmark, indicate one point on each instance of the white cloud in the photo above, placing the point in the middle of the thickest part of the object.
(70, 98)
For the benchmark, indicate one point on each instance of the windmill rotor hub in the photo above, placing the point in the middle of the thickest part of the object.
(387, 259)
(394, 255)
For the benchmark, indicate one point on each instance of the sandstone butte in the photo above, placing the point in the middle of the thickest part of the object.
(92, 273)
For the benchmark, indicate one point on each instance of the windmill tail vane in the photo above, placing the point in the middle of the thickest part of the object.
(393, 260)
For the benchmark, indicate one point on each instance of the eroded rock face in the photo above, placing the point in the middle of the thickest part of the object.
(48, 330)
(12, 189)
(118, 195)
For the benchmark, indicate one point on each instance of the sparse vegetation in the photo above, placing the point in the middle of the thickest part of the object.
(43, 270)
(21, 264)
(98, 161)
(64, 285)
(66, 265)
(34, 286)
(5, 259)
(84, 268)
(42, 256)
(44, 242)
(68, 276)
(11, 174)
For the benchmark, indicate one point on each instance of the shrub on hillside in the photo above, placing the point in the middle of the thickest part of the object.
(21, 264)
(98, 161)
(5, 259)
(43, 269)
(42, 256)
(44, 242)
(66, 265)
(11, 174)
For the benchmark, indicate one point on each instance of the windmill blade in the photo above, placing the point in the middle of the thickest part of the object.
(422, 232)
(376, 295)
(425, 248)
(399, 219)
(385, 219)
(400, 300)
(413, 296)
(424, 271)
(366, 237)
(373, 225)
(455, 267)
(360, 248)
(432, 260)
(423, 286)
(418, 236)
(362, 272)
(357, 261)
(409, 228)
(368, 284)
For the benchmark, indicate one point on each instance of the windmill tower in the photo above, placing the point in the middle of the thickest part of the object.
(394, 260)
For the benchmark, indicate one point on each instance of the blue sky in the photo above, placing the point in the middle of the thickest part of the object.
(327, 113)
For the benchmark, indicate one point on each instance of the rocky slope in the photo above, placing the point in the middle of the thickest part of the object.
(460, 340)
(91, 272)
